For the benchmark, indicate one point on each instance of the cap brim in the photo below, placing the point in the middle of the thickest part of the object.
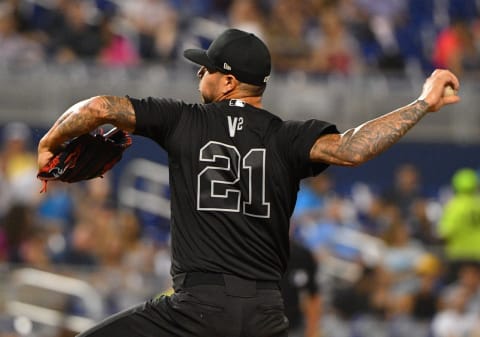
(199, 56)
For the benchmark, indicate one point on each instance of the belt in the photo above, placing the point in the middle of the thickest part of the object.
(233, 282)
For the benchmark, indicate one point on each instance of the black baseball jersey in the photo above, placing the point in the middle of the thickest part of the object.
(234, 176)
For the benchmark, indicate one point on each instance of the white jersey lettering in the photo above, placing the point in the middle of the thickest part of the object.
(234, 124)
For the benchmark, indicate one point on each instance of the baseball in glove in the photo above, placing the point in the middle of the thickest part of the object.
(86, 157)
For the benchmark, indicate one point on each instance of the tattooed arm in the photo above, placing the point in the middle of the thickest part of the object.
(84, 117)
(358, 145)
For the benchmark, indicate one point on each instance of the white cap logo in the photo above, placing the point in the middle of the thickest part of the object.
(226, 66)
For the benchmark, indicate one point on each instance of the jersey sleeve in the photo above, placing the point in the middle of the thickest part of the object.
(296, 139)
(156, 118)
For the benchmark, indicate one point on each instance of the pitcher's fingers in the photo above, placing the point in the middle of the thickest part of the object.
(451, 99)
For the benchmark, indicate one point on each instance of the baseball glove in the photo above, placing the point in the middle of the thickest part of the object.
(86, 157)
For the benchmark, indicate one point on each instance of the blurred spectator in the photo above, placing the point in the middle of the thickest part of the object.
(336, 50)
(157, 25)
(286, 32)
(4, 188)
(319, 236)
(56, 216)
(422, 304)
(129, 227)
(454, 320)
(46, 22)
(202, 8)
(301, 294)
(98, 205)
(455, 49)
(399, 257)
(246, 15)
(421, 224)
(367, 296)
(96, 195)
(81, 246)
(383, 17)
(77, 37)
(57, 207)
(468, 279)
(461, 219)
(92, 239)
(425, 300)
(32, 252)
(18, 226)
(16, 48)
(466, 9)
(113, 240)
(312, 197)
(406, 189)
(3, 245)
(117, 48)
(378, 216)
(19, 164)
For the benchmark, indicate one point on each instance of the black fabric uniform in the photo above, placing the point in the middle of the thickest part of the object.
(234, 177)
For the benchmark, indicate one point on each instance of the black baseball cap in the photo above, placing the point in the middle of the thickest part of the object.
(235, 52)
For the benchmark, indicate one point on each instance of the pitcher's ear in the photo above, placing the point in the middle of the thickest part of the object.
(230, 83)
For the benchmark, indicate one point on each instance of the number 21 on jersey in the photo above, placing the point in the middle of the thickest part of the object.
(218, 184)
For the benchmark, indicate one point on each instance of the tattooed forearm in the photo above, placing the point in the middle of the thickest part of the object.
(87, 115)
(375, 136)
(118, 111)
(78, 119)
(366, 141)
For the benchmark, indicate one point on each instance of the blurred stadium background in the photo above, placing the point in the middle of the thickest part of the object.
(80, 252)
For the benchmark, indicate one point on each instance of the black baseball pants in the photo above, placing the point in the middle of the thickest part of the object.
(203, 305)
